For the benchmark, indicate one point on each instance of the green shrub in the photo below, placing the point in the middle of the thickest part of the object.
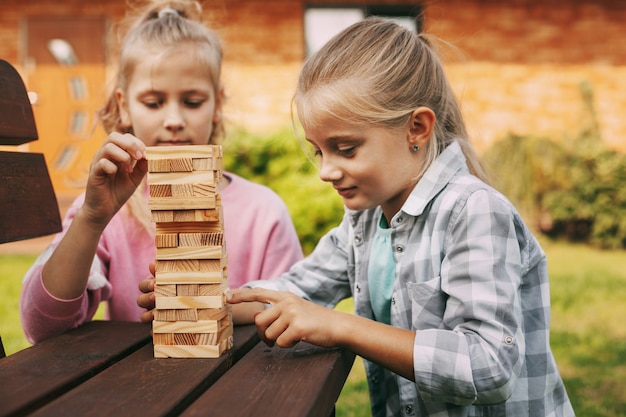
(281, 162)
(571, 189)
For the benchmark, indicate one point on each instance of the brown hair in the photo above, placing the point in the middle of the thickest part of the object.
(378, 72)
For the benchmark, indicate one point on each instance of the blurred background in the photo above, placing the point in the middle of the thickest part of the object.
(549, 68)
(541, 83)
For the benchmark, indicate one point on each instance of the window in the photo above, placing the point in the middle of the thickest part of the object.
(323, 22)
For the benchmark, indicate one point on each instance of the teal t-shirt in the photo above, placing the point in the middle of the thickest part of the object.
(381, 272)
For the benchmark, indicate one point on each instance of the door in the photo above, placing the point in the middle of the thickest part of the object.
(66, 66)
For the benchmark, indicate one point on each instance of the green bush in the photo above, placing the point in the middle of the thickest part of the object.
(573, 188)
(574, 192)
(281, 162)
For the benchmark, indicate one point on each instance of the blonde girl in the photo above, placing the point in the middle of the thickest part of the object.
(450, 287)
(168, 91)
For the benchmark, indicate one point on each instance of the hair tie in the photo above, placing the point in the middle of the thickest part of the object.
(168, 10)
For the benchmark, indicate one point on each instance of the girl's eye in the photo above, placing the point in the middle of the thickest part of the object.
(194, 104)
(349, 151)
(152, 104)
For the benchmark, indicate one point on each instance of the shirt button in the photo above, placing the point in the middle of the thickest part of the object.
(509, 340)
(393, 300)
(358, 289)
(408, 409)
(399, 249)
(400, 219)
(357, 239)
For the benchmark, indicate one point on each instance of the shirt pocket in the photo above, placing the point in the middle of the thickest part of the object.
(428, 304)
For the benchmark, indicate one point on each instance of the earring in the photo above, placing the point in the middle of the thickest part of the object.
(416, 148)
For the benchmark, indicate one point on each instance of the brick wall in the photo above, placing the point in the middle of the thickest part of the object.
(524, 63)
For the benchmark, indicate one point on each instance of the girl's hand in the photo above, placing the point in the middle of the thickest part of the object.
(116, 171)
(147, 299)
(290, 318)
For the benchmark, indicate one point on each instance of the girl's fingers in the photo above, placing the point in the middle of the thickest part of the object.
(147, 285)
(147, 317)
(146, 301)
(124, 150)
(261, 295)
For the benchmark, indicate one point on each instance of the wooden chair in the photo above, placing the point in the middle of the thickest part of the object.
(28, 205)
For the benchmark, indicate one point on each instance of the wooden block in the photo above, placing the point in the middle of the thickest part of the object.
(214, 313)
(166, 240)
(191, 265)
(192, 314)
(203, 220)
(163, 338)
(213, 338)
(182, 190)
(208, 164)
(190, 227)
(195, 218)
(160, 190)
(192, 338)
(167, 290)
(162, 216)
(188, 289)
(198, 252)
(198, 351)
(200, 326)
(205, 301)
(200, 239)
(212, 289)
(185, 339)
(201, 190)
(194, 177)
(173, 203)
(164, 275)
(190, 277)
(184, 314)
(183, 151)
(181, 165)
(158, 165)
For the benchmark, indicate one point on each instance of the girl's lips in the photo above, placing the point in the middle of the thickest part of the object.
(173, 142)
(346, 192)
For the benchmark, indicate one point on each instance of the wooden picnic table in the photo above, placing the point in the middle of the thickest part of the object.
(107, 368)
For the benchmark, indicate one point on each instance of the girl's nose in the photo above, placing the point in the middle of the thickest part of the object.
(174, 119)
(328, 171)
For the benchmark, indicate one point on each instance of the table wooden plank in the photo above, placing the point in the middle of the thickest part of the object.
(303, 381)
(144, 385)
(36, 375)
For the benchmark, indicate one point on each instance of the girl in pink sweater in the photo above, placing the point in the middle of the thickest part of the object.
(167, 92)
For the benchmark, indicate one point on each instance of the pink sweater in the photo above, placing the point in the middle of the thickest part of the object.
(261, 243)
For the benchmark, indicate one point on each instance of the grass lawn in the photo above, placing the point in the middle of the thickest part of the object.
(588, 289)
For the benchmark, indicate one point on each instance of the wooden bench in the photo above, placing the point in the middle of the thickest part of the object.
(28, 205)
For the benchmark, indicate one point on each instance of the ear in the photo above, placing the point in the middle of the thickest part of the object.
(219, 101)
(122, 105)
(421, 126)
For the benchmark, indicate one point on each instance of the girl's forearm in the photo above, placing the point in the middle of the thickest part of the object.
(66, 273)
(388, 346)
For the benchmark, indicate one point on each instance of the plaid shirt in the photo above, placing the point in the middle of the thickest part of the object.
(471, 280)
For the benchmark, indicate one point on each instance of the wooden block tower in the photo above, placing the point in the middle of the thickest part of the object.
(191, 318)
